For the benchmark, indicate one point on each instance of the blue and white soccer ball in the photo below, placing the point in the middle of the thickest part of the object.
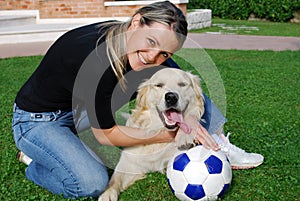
(199, 174)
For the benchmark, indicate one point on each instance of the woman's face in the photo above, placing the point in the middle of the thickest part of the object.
(149, 46)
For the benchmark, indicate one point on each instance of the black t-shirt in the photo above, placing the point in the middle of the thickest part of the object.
(76, 73)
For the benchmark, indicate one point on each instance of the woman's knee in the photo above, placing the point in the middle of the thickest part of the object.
(91, 182)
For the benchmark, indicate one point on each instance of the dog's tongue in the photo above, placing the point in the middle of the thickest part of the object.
(177, 117)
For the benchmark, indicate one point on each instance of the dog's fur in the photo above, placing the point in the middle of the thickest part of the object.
(151, 103)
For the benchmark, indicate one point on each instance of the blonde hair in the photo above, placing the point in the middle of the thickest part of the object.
(162, 12)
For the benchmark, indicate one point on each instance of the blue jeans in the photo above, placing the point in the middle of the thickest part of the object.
(61, 162)
(213, 119)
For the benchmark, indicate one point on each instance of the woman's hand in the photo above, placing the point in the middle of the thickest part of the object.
(201, 134)
(205, 138)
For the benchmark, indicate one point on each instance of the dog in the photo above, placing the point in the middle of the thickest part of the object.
(165, 101)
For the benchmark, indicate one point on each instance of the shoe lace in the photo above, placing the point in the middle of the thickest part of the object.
(229, 146)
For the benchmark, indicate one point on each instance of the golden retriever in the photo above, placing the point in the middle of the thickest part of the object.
(165, 101)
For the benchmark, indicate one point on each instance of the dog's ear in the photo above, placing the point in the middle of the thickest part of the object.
(141, 100)
(196, 84)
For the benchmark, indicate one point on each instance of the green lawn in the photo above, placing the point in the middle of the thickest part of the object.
(246, 27)
(263, 111)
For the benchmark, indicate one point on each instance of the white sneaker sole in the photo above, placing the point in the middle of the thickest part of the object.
(243, 167)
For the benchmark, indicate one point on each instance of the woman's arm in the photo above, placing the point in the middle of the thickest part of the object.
(127, 136)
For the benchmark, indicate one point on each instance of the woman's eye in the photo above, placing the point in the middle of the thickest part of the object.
(151, 42)
(166, 55)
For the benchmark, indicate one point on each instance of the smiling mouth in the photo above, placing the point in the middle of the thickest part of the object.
(167, 117)
(141, 58)
(172, 119)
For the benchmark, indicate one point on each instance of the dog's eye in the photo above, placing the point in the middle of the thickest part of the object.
(182, 84)
(159, 85)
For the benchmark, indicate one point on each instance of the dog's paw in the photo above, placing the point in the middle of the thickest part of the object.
(109, 195)
(185, 146)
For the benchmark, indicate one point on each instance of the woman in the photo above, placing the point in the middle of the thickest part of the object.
(77, 75)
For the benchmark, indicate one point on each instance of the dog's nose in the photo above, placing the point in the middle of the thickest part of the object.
(171, 99)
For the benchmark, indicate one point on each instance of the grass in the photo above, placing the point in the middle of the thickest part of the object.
(263, 107)
(246, 27)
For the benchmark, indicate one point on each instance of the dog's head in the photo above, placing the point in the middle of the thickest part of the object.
(168, 97)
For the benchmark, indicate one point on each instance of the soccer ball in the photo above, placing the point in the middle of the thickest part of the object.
(199, 174)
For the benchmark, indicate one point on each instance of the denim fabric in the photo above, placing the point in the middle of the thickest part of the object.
(212, 119)
(61, 162)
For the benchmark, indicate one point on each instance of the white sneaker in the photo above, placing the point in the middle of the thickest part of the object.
(23, 158)
(238, 158)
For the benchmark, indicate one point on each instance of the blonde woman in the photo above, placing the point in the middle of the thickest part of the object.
(72, 88)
